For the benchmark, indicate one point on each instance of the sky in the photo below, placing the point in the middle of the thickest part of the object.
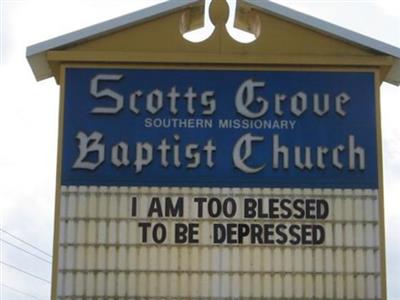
(29, 115)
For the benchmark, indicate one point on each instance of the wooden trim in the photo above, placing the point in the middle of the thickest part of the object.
(220, 66)
(57, 212)
(379, 158)
(215, 58)
(228, 67)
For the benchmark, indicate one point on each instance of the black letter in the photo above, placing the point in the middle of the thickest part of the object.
(200, 201)
(171, 210)
(280, 231)
(250, 205)
(295, 235)
(286, 211)
(144, 227)
(297, 204)
(219, 228)
(134, 207)
(322, 209)
(193, 232)
(211, 212)
(180, 233)
(318, 240)
(155, 207)
(233, 207)
(163, 232)
(243, 231)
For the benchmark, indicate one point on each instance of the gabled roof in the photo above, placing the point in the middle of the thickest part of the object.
(36, 54)
(266, 6)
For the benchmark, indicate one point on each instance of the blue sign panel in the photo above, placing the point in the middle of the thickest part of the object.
(129, 127)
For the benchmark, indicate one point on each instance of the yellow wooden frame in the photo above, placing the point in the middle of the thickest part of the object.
(260, 67)
(219, 52)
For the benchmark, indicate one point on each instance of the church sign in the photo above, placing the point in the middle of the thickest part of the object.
(218, 170)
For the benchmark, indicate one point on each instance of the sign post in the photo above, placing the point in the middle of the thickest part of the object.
(242, 174)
